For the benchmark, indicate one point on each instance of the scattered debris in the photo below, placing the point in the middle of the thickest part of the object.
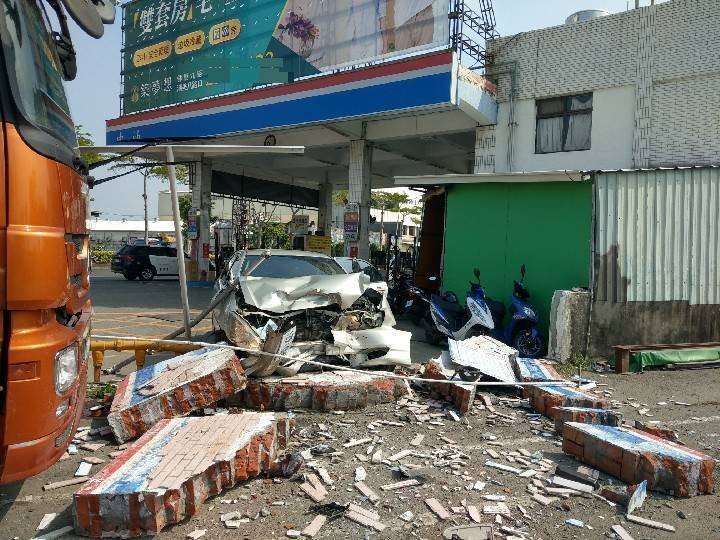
(196, 534)
(575, 523)
(400, 485)
(57, 533)
(367, 492)
(438, 509)
(46, 520)
(621, 533)
(65, 483)
(83, 469)
(469, 532)
(364, 517)
(314, 527)
(313, 488)
(650, 523)
(638, 497)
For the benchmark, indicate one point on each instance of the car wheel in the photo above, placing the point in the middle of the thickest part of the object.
(147, 274)
(129, 276)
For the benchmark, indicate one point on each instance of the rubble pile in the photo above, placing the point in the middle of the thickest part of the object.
(374, 451)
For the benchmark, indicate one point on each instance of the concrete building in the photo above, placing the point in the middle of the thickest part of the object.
(633, 90)
(600, 173)
(113, 234)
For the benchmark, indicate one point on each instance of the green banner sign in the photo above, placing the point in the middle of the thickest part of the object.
(184, 50)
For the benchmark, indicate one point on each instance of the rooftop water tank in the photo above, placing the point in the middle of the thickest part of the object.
(586, 15)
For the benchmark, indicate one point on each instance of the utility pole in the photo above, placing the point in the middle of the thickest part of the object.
(146, 172)
(382, 225)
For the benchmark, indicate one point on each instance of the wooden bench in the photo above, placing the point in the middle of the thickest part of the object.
(623, 352)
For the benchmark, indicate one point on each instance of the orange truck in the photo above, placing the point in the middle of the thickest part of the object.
(44, 243)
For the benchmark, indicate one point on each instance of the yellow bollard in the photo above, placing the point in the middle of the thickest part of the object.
(140, 358)
(140, 348)
(97, 356)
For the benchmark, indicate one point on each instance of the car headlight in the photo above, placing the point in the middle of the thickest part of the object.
(66, 368)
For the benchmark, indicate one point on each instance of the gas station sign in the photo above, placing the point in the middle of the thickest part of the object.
(183, 50)
(351, 222)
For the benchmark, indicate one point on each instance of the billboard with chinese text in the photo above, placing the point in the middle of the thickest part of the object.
(182, 50)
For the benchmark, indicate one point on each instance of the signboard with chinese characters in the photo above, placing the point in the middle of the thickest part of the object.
(351, 222)
(183, 50)
(318, 244)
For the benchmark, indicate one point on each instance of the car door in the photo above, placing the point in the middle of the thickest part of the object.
(172, 262)
(160, 260)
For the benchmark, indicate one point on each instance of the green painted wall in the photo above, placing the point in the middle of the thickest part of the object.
(498, 227)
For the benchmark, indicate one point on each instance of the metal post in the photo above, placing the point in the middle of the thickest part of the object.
(146, 172)
(178, 240)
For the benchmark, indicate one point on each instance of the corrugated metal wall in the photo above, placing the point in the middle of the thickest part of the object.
(656, 236)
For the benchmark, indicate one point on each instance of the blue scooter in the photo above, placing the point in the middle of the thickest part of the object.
(484, 315)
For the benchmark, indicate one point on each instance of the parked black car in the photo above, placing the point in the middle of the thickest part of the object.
(145, 262)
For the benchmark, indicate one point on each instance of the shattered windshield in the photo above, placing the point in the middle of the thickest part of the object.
(285, 266)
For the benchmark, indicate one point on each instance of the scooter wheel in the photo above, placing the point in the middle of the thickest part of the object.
(527, 344)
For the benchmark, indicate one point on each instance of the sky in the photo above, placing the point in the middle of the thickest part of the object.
(94, 94)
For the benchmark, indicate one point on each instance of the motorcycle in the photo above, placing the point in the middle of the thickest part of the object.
(449, 318)
(484, 315)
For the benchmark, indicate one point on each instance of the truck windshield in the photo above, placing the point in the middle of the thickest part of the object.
(33, 70)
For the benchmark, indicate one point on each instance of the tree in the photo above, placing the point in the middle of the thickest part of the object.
(185, 203)
(150, 170)
(85, 139)
(380, 200)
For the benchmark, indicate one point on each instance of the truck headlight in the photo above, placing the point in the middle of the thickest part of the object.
(66, 368)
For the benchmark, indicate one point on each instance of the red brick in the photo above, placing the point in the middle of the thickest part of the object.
(460, 395)
(173, 468)
(546, 398)
(633, 456)
(331, 390)
(179, 386)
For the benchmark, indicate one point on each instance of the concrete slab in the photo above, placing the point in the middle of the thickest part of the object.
(173, 468)
(173, 388)
(585, 415)
(459, 394)
(634, 456)
(546, 398)
(328, 391)
(535, 370)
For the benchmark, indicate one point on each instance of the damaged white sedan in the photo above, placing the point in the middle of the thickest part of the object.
(303, 306)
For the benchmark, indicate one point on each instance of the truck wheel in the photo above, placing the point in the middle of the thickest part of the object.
(129, 276)
(147, 274)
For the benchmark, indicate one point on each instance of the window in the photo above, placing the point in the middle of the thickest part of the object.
(287, 266)
(33, 69)
(564, 124)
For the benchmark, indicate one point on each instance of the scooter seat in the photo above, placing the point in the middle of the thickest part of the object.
(496, 308)
(448, 307)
